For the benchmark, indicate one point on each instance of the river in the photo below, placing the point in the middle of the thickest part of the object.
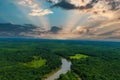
(65, 67)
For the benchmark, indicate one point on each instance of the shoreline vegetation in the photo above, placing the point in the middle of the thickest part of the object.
(65, 67)
(70, 75)
(51, 73)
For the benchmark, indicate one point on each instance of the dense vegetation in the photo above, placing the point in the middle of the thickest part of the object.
(26, 61)
(91, 60)
(100, 62)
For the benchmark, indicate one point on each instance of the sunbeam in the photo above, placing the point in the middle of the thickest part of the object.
(107, 27)
(63, 19)
(43, 19)
(71, 20)
(37, 12)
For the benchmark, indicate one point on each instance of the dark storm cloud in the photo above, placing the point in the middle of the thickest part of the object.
(27, 30)
(55, 29)
(66, 4)
(8, 29)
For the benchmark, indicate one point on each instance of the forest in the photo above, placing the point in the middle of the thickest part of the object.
(30, 59)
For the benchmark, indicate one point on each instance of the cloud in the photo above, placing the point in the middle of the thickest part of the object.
(79, 3)
(64, 5)
(117, 33)
(83, 4)
(35, 9)
(55, 29)
(99, 19)
(101, 16)
(100, 7)
(75, 4)
(107, 27)
(80, 30)
(40, 12)
(54, 1)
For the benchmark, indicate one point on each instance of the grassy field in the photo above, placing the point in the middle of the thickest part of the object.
(78, 56)
(35, 63)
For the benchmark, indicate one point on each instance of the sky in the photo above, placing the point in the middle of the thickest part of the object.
(14, 12)
(74, 19)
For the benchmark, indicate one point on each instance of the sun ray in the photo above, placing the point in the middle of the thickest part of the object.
(107, 27)
(44, 19)
(36, 6)
(71, 20)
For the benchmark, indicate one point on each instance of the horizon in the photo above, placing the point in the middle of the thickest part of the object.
(49, 39)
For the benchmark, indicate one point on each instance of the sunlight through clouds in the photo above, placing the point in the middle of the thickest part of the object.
(37, 12)
(71, 20)
(100, 11)
(65, 19)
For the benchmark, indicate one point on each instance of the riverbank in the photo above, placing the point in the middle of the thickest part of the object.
(51, 73)
(65, 67)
